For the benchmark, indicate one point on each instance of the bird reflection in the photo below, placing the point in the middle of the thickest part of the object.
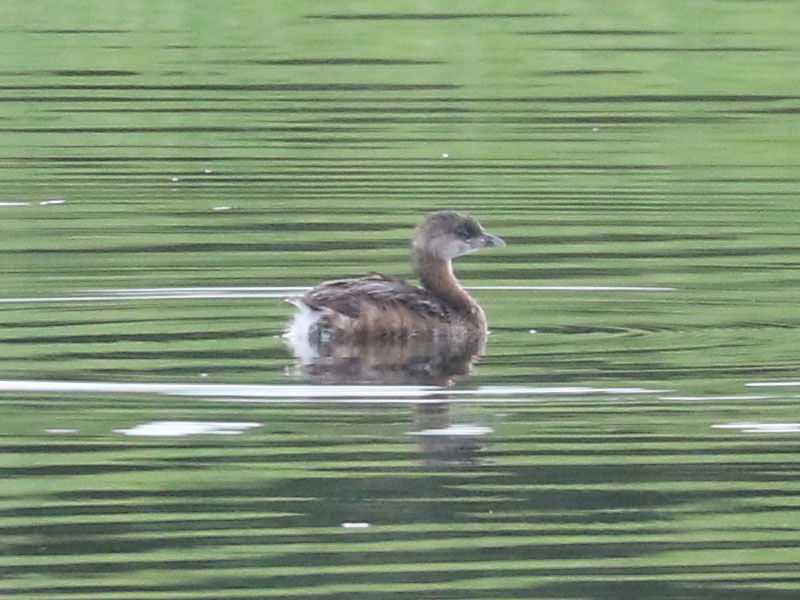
(409, 361)
(444, 443)
(388, 362)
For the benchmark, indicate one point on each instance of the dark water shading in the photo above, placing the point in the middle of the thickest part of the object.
(313, 62)
(573, 72)
(307, 87)
(432, 16)
(78, 31)
(681, 49)
(171, 172)
(574, 507)
(612, 32)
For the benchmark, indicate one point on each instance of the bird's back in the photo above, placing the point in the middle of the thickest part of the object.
(372, 307)
(351, 297)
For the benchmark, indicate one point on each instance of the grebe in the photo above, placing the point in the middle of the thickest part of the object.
(378, 307)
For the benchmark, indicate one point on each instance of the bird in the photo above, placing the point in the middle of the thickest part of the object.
(381, 308)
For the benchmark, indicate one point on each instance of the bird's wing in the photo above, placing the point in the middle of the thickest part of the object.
(347, 296)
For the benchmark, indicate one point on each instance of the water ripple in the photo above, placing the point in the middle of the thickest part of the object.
(199, 293)
(373, 394)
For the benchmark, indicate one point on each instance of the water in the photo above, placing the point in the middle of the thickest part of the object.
(172, 171)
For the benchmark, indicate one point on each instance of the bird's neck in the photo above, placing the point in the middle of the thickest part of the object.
(436, 275)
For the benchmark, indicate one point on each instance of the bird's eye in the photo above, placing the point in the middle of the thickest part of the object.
(467, 230)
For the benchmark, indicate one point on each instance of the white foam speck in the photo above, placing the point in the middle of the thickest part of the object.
(183, 428)
(355, 525)
(455, 430)
(710, 398)
(761, 427)
(60, 431)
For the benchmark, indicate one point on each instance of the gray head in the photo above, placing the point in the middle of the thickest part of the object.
(448, 234)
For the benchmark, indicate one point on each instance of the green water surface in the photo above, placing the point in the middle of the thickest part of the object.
(168, 168)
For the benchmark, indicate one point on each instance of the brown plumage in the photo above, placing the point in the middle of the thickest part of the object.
(379, 307)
